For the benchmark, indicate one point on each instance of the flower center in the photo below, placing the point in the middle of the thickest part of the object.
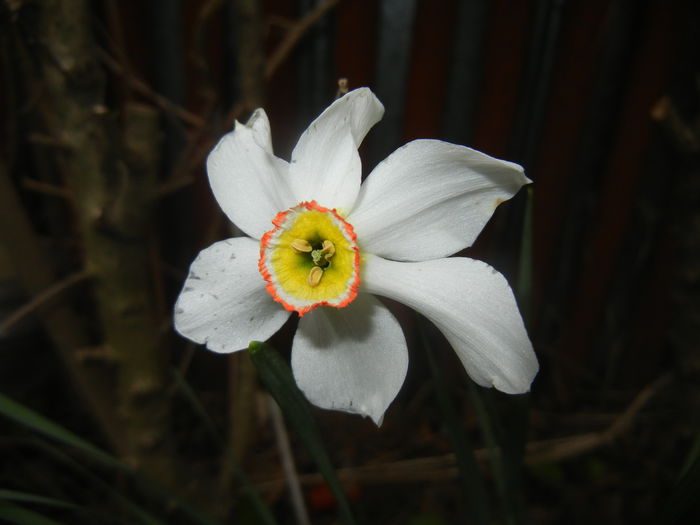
(310, 259)
(320, 256)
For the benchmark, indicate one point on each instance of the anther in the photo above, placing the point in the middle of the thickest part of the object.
(301, 246)
(328, 249)
(315, 276)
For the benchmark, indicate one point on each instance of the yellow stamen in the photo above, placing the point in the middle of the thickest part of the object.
(315, 276)
(323, 256)
(301, 246)
(328, 249)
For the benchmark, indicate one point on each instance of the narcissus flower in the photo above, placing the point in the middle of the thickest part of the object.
(324, 246)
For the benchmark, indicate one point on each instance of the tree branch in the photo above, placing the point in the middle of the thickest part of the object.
(41, 300)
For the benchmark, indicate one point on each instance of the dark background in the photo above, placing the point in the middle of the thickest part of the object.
(598, 100)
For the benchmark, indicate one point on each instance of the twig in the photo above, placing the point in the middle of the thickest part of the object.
(204, 13)
(665, 113)
(63, 326)
(47, 140)
(177, 183)
(294, 34)
(290, 471)
(624, 422)
(41, 299)
(48, 189)
(440, 468)
(158, 99)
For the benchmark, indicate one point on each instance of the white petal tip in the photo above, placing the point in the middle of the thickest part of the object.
(511, 389)
(221, 348)
(516, 385)
(258, 119)
(376, 416)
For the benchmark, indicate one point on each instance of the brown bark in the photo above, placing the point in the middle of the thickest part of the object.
(112, 183)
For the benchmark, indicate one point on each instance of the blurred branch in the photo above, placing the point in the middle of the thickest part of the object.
(241, 375)
(143, 89)
(253, 76)
(566, 448)
(47, 188)
(442, 468)
(294, 33)
(62, 324)
(666, 114)
(286, 455)
(112, 178)
(206, 11)
(41, 300)
(129, 307)
(251, 58)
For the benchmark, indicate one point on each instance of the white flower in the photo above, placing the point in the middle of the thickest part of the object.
(322, 245)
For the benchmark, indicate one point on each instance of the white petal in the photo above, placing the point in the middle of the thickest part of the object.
(224, 302)
(352, 359)
(360, 109)
(473, 306)
(248, 181)
(325, 163)
(327, 171)
(430, 199)
(260, 126)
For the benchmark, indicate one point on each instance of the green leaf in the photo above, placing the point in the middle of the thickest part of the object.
(505, 451)
(21, 516)
(39, 423)
(46, 427)
(136, 513)
(682, 505)
(277, 377)
(475, 496)
(13, 495)
(525, 276)
(197, 407)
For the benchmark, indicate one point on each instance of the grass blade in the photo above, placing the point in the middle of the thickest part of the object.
(42, 425)
(13, 495)
(21, 516)
(505, 463)
(135, 513)
(277, 377)
(682, 505)
(525, 270)
(475, 496)
(197, 407)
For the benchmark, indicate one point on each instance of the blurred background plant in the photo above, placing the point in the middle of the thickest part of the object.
(109, 109)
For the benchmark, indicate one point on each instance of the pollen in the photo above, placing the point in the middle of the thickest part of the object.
(301, 246)
(322, 257)
(310, 259)
(315, 275)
